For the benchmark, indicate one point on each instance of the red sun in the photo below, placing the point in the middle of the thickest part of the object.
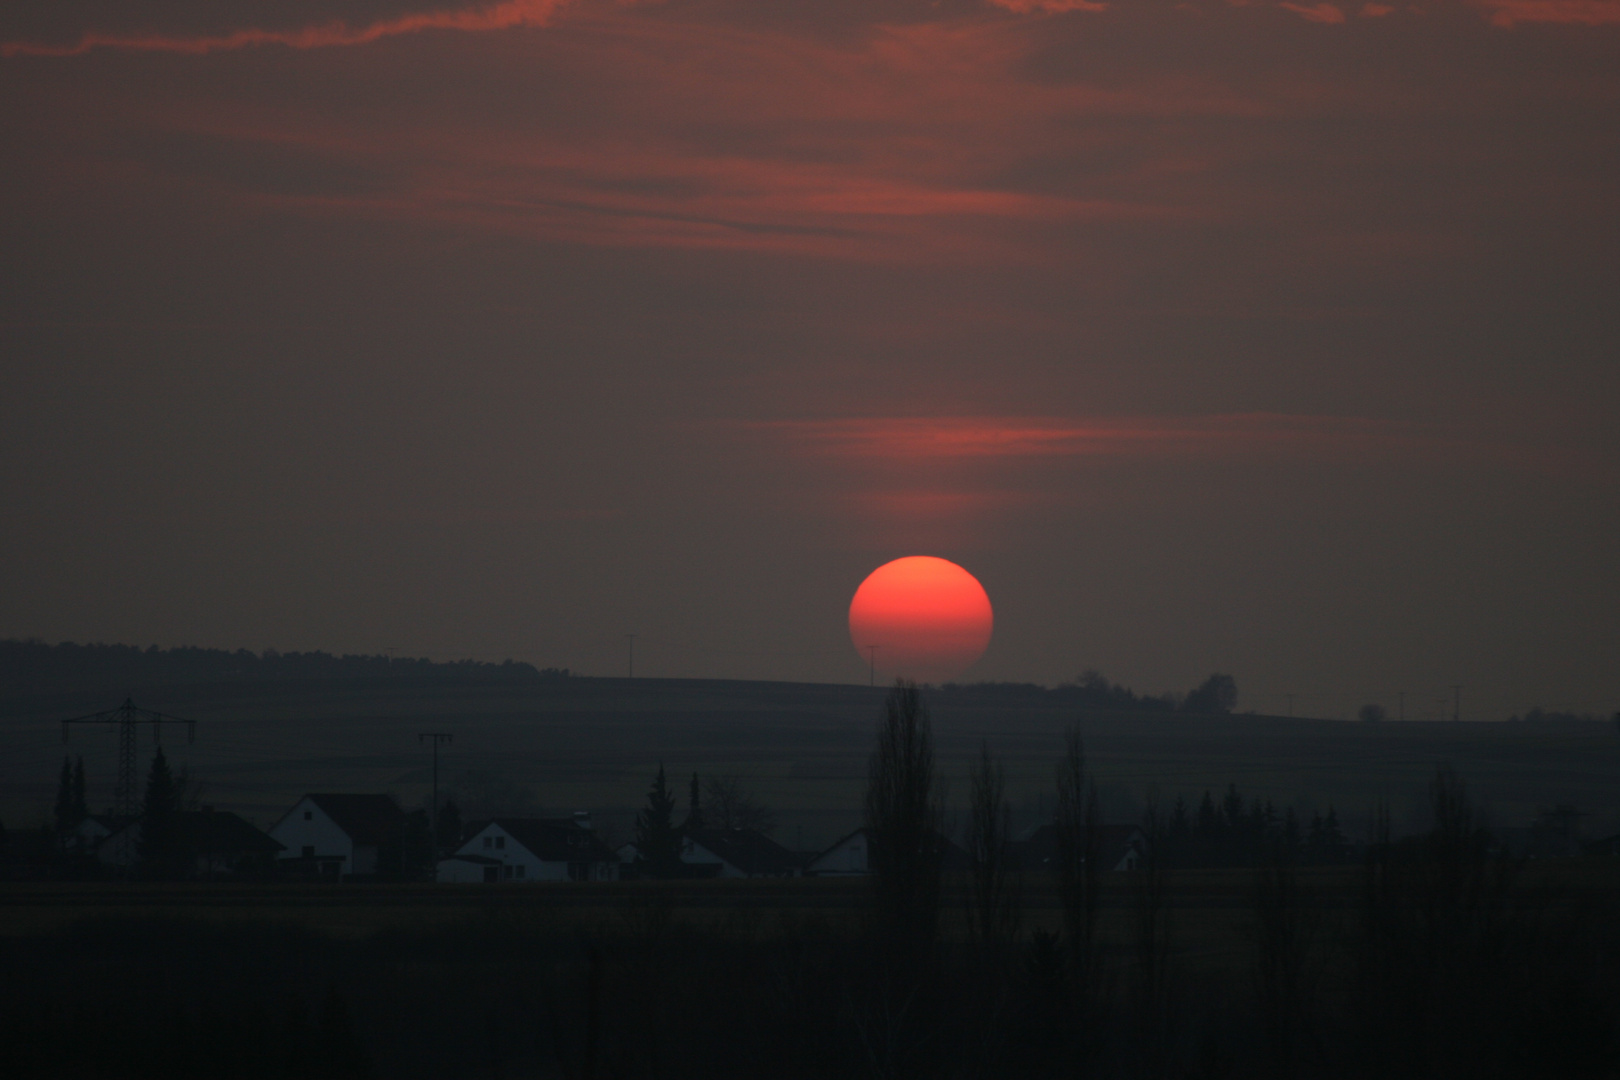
(927, 618)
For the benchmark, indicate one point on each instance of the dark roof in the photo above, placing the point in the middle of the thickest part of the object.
(748, 850)
(951, 856)
(218, 832)
(368, 819)
(556, 839)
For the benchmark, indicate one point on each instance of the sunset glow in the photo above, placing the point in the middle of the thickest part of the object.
(921, 618)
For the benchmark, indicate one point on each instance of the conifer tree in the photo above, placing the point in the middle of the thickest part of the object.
(156, 808)
(694, 808)
(64, 798)
(656, 836)
(81, 807)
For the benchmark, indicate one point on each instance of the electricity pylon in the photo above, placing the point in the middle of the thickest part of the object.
(126, 802)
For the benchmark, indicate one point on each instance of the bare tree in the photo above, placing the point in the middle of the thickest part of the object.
(993, 893)
(728, 804)
(1078, 823)
(903, 816)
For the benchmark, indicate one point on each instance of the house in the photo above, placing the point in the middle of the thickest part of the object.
(340, 836)
(205, 843)
(94, 829)
(851, 854)
(530, 849)
(1122, 848)
(740, 853)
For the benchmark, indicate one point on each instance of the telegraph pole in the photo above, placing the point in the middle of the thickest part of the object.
(872, 652)
(437, 737)
(1456, 702)
(631, 638)
(126, 802)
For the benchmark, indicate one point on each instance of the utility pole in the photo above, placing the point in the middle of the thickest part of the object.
(631, 638)
(126, 801)
(1456, 702)
(872, 676)
(437, 737)
(1400, 709)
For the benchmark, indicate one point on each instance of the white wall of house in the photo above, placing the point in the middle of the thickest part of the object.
(848, 856)
(305, 831)
(462, 871)
(693, 852)
(518, 863)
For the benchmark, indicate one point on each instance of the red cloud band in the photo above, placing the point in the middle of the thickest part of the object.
(933, 438)
(501, 16)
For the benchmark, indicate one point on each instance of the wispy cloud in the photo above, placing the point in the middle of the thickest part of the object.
(1320, 13)
(506, 15)
(962, 438)
(1508, 13)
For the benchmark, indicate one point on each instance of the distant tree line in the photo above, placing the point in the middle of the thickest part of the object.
(1239, 832)
(1215, 696)
(35, 667)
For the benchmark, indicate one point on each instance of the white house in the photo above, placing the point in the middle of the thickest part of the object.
(531, 849)
(340, 836)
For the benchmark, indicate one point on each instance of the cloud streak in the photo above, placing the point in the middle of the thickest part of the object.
(944, 439)
(508, 15)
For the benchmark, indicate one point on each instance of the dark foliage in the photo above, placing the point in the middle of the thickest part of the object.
(34, 667)
(903, 817)
(658, 841)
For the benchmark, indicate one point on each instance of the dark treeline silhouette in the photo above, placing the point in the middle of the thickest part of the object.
(1432, 957)
(35, 667)
(1216, 695)
(1233, 831)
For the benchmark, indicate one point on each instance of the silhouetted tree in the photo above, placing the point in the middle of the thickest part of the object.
(694, 807)
(728, 804)
(64, 799)
(657, 840)
(1077, 822)
(993, 893)
(449, 825)
(902, 822)
(81, 806)
(1216, 694)
(156, 810)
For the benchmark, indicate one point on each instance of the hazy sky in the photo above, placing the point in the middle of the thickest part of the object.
(1277, 339)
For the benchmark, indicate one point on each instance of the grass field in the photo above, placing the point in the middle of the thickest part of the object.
(560, 745)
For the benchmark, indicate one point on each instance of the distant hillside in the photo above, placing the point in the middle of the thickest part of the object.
(35, 667)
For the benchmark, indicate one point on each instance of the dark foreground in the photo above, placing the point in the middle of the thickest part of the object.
(1402, 968)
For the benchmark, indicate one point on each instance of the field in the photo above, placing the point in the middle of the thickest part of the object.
(564, 744)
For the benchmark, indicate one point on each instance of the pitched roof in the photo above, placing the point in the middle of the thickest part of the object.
(368, 819)
(749, 850)
(556, 839)
(218, 832)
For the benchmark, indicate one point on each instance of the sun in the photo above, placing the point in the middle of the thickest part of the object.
(920, 618)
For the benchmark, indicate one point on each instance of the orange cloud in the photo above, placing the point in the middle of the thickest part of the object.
(1509, 13)
(1320, 13)
(506, 15)
(1376, 11)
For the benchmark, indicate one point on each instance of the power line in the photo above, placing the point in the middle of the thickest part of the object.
(127, 717)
